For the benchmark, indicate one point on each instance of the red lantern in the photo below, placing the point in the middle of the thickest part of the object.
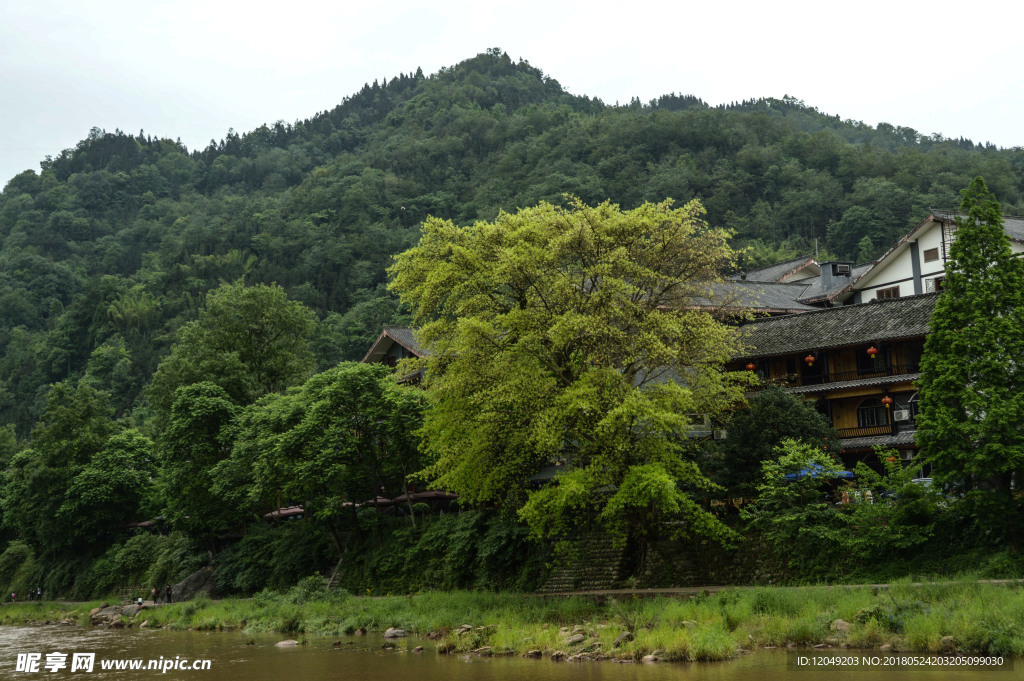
(751, 366)
(887, 401)
(872, 352)
(810, 360)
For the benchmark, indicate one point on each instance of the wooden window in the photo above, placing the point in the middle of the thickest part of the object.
(871, 413)
(888, 293)
(931, 254)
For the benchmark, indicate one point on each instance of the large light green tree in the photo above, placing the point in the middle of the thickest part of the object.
(971, 424)
(571, 334)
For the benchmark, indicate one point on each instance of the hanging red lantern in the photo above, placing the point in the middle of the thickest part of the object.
(872, 352)
(810, 360)
(887, 401)
(751, 366)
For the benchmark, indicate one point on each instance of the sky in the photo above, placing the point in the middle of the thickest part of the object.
(192, 69)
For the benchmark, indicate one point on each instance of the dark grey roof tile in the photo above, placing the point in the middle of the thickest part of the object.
(873, 322)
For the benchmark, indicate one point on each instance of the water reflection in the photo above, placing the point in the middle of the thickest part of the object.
(245, 657)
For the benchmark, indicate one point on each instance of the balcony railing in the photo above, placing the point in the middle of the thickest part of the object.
(864, 432)
(840, 376)
(892, 370)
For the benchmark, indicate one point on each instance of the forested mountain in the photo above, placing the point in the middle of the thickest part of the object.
(108, 251)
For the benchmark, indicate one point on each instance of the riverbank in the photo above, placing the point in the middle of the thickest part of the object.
(962, 616)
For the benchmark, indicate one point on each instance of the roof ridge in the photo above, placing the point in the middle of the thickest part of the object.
(873, 302)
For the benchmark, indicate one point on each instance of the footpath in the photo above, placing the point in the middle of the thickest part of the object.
(700, 590)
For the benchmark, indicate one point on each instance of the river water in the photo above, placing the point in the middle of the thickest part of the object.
(244, 657)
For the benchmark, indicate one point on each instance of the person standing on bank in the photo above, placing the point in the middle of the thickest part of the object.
(169, 592)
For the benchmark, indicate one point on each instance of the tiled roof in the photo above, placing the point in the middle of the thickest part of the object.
(405, 337)
(402, 335)
(1013, 226)
(758, 296)
(778, 271)
(903, 438)
(817, 293)
(856, 383)
(877, 321)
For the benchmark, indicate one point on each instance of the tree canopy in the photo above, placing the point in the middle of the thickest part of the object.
(754, 434)
(571, 334)
(249, 340)
(972, 380)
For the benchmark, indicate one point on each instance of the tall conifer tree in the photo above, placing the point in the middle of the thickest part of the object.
(971, 424)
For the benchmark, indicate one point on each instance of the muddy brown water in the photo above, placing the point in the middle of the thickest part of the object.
(245, 657)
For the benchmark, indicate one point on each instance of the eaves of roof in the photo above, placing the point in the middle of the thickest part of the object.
(402, 335)
(902, 439)
(855, 383)
(778, 272)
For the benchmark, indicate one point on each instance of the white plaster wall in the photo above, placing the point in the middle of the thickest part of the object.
(898, 265)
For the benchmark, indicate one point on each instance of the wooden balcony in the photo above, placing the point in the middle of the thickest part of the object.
(793, 380)
(865, 432)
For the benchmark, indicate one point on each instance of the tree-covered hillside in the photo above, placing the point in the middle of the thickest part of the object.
(108, 251)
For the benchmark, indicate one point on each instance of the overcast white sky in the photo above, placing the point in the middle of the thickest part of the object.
(194, 68)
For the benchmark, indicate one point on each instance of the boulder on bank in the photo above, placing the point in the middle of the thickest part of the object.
(840, 626)
(393, 632)
(130, 610)
(200, 582)
(105, 616)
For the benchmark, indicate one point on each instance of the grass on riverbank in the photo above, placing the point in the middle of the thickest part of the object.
(962, 616)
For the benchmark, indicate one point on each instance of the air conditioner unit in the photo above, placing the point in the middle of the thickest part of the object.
(842, 269)
(901, 415)
(719, 434)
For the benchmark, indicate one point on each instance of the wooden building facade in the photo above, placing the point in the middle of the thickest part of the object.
(857, 363)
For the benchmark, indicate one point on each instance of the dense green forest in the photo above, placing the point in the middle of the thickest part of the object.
(108, 256)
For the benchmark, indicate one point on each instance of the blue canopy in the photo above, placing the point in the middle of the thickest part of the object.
(816, 469)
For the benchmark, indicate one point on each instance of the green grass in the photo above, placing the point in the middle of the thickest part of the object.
(961, 616)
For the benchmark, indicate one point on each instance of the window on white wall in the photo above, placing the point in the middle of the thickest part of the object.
(931, 254)
(888, 293)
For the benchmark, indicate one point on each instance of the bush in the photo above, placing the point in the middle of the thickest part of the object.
(274, 557)
(17, 568)
(473, 549)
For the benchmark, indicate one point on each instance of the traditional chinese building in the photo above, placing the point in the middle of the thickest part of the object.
(858, 363)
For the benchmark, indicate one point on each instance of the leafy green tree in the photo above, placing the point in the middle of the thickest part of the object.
(199, 434)
(754, 434)
(331, 443)
(972, 379)
(795, 515)
(249, 340)
(111, 489)
(74, 427)
(571, 334)
(8, 444)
